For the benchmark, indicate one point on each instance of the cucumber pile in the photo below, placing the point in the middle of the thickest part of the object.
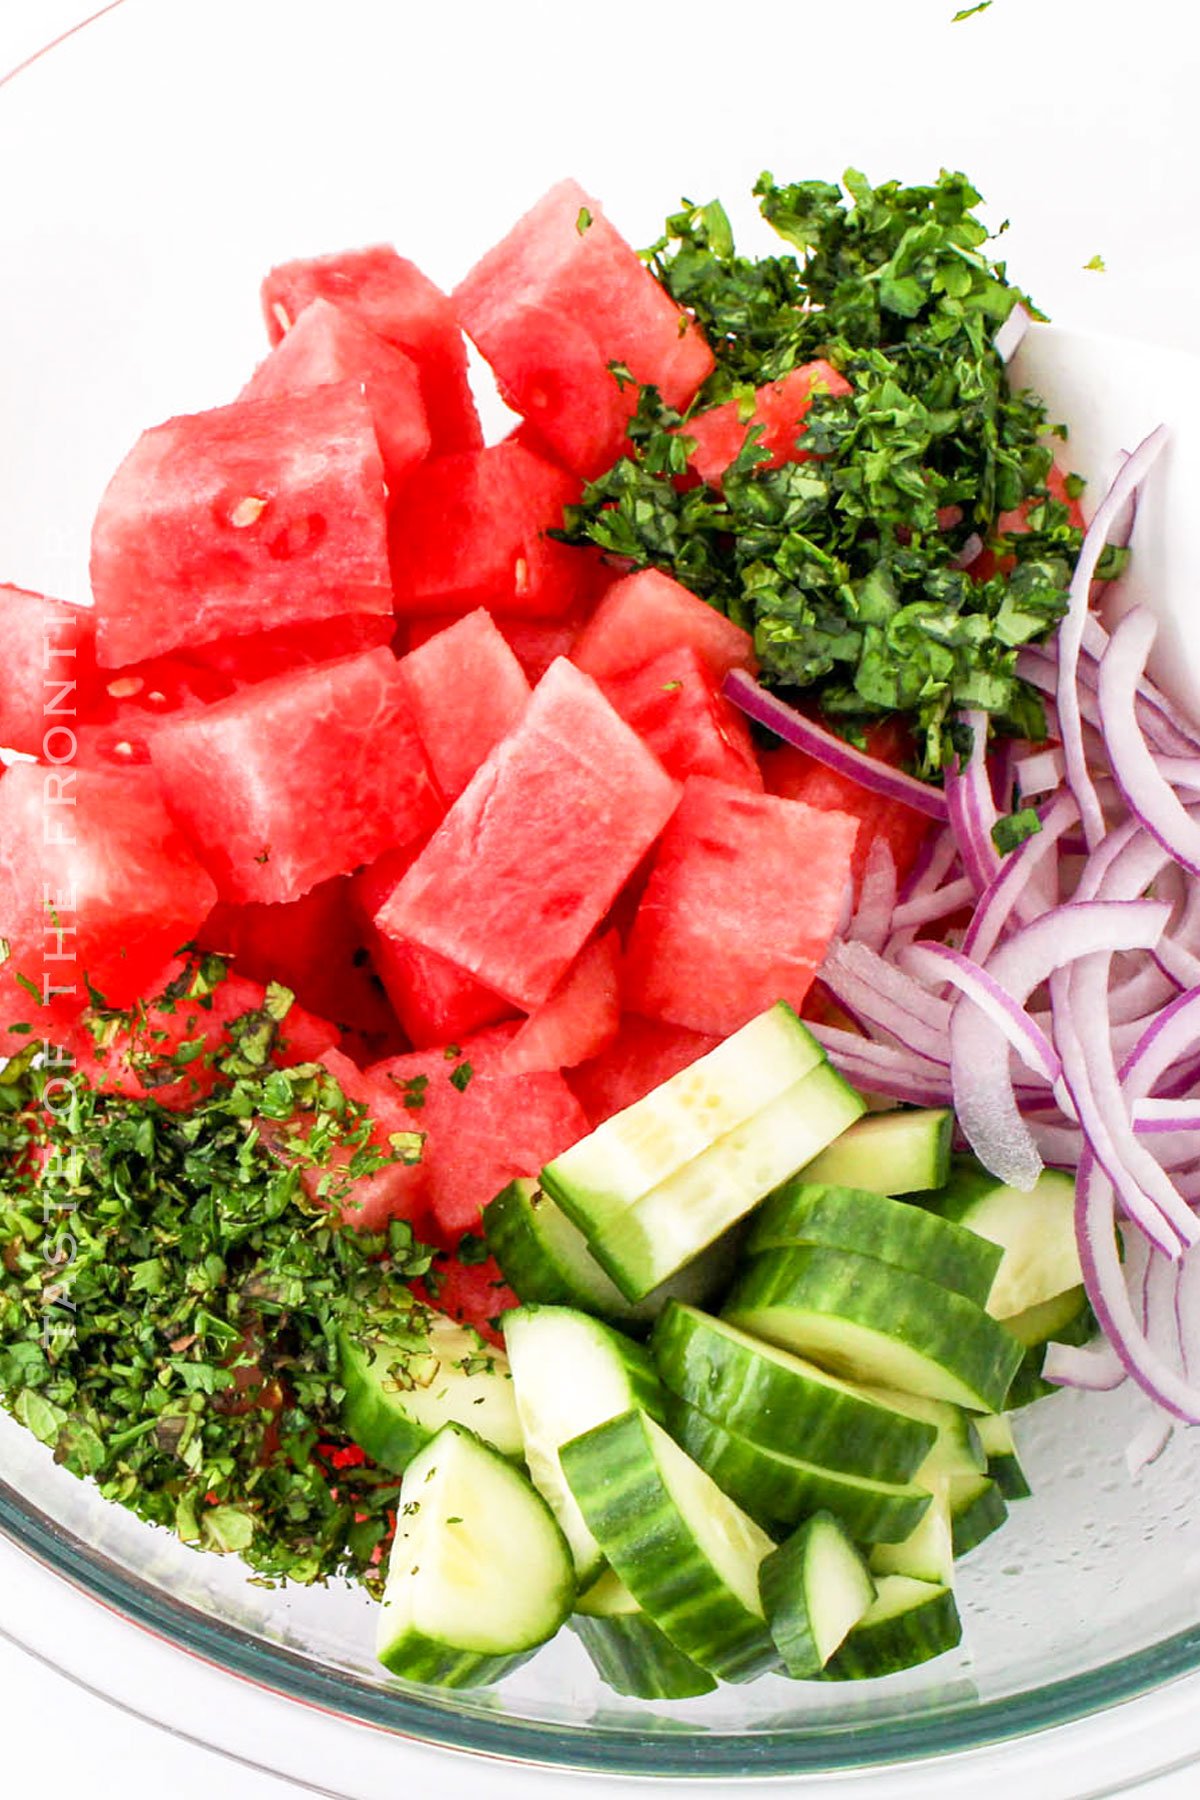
(781, 1477)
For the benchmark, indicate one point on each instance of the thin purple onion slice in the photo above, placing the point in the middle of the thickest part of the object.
(1147, 793)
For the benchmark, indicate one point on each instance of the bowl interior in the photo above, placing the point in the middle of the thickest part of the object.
(173, 154)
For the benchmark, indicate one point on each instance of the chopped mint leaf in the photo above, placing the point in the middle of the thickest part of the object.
(461, 1077)
(1097, 263)
(1014, 828)
(583, 221)
(968, 12)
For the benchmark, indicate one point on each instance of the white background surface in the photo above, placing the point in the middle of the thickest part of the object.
(1109, 117)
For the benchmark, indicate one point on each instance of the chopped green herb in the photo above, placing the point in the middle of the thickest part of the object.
(583, 221)
(461, 1077)
(1097, 263)
(968, 12)
(1014, 828)
(472, 1250)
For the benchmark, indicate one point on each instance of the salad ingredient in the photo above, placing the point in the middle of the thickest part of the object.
(927, 1553)
(646, 1053)
(773, 1399)
(401, 1390)
(718, 434)
(903, 1152)
(686, 1552)
(718, 934)
(977, 1507)
(273, 506)
(239, 777)
(646, 614)
(675, 704)
(579, 1020)
(480, 1575)
(570, 1372)
(909, 1622)
(815, 1587)
(48, 649)
(531, 856)
(392, 298)
(874, 1322)
(1035, 1232)
(1003, 1463)
(470, 657)
(553, 307)
(631, 1655)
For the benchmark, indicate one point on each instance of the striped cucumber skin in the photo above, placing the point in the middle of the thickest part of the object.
(546, 1261)
(774, 1399)
(1035, 1232)
(689, 1556)
(892, 1231)
(977, 1508)
(815, 1587)
(905, 1152)
(479, 1574)
(956, 1448)
(1003, 1463)
(627, 1649)
(910, 1622)
(861, 1319)
(638, 1149)
(683, 1215)
(779, 1490)
(927, 1553)
(398, 1395)
(571, 1372)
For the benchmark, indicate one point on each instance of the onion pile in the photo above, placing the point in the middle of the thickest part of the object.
(1062, 1020)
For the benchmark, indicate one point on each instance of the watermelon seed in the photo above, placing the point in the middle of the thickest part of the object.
(282, 315)
(125, 687)
(521, 575)
(247, 512)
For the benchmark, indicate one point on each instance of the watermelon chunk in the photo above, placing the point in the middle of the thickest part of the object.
(258, 655)
(326, 345)
(578, 1020)
(97, 884)
(264, 511)
(535, 643)
(48, 653)
(484, 1128)
(435, 1001)
(644, 1054)
(315, 946)
(531, 856)
(399, 1191)
(649, 612)
(115, 730)
(395, 300)
(675, 704)
(745, 894)
(780, 410)
(794, 775)
(470, 530)
(300, 778)
(476, 1294)
(466, 689)
(559, 300)
(185, 1007)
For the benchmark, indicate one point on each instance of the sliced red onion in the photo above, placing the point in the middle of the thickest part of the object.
(1170, 1036)
(1148, 1444)
(1158, 715)
(881, 996)
(768, 709)
(1146, 793)
(1003, 898)
(1179, 771)
(1151, 1117)
(938, 962)
(1040, 773)
(940, 903)
(882, 1069)
(1095, 1367)
(935, 860)
(876, 908)
(1070, 634)
(972, 808)
(1009, 337)
(1059, 1146)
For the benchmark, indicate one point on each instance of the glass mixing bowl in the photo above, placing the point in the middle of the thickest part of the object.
(158, 163)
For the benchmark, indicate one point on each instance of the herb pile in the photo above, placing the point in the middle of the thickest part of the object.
(187, 1358)
(840, 566)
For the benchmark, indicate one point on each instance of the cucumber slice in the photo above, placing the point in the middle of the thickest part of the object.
(779, 1490)
(927, 1553)
(1067, 1320)
(861, 1319)
(902, 1152)
(679, 1218)
(1003, 1463)
(689, 1556)
(571, 1372)
(546, 1260)
(956, 1449)
(644, 1145)
(815, 1587)
(892, 1231)
(399, 1394)
(480, 1575)
(1035, 1232)
(629, 1651)
(909, 1622)
(774, 1399)
(977, 1508)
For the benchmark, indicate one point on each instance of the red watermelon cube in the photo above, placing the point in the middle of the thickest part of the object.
(97, 885)
(467, 689)
(535, 643)
(780, 410)
(484, 1128)
(675, 704)
(554, 305)
(745, 894)
(260, 654)
(578, 1020)
(644, 1054)
(115, 730)
(649, 612)
(474, 1293)
(48, 652)
(398, 303)
(328, 345)
(533, 853)
(400, 1190)
(435, 1001)
(264, 512)
(470, 531)
(794, 775)
(300, 778)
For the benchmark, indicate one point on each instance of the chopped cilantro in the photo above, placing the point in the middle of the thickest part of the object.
(968, 12)
(1097, 263)
(472, 1250)
(461, 1077)
(1014, 828)
(583, 221)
